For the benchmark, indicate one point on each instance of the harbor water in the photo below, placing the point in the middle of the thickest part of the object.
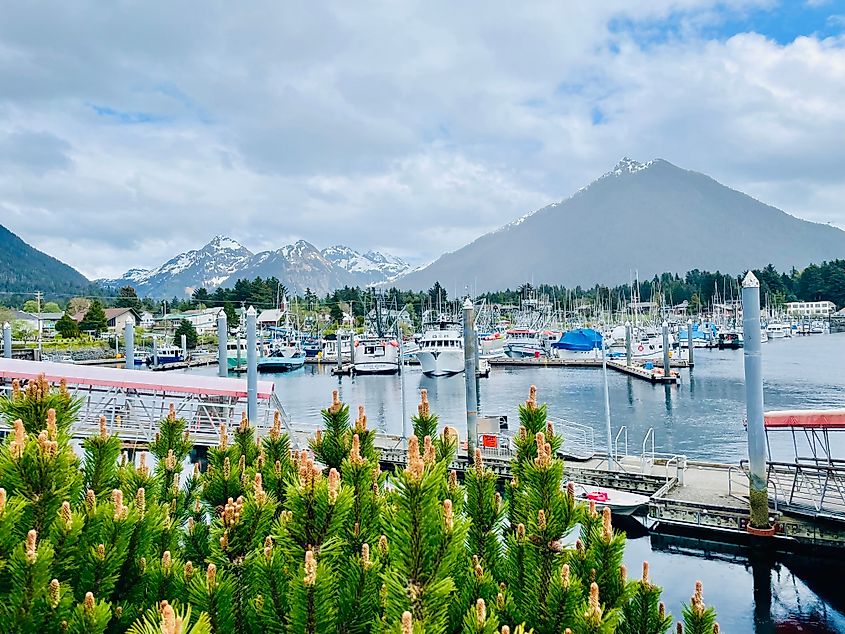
(701, 418)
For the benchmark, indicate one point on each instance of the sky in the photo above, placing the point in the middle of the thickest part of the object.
(132, 131)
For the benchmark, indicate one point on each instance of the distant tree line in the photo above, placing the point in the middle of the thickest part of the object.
(700, 289)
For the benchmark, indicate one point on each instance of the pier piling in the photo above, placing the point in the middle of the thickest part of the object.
(667, 365)
(251, 367)
(627, 343)
(610, 463)
(129, 343)
(222, 345)
(184, 343)
(470, 378)
(7, 340)
(155, 352)
(339, 354)
(690, 343)
(758, 485)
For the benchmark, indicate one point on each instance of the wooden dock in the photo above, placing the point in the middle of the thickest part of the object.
(182, 365)
(654, 375)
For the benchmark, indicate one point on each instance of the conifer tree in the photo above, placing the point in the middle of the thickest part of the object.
(272, 540)
(644, 613)
(699, 618)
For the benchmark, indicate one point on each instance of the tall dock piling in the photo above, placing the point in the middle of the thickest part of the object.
(608, 429)
(758, 482)
(690, 343)
(129, 343)
(470, 377)
(251, 367)
(7, 340)
(627, 344)
(667, 365)
(222, 345)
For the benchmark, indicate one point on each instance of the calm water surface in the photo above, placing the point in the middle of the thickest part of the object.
(702, 418)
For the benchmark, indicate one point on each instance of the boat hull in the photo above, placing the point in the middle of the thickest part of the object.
(376, 367)
(441, 362)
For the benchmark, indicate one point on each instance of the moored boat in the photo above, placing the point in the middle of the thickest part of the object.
(375, 355)
(582, 343)
(441, 349)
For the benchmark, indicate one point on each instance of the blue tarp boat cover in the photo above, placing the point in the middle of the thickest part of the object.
(580, 340)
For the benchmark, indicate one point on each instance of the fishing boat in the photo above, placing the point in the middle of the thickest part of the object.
(372, 354)
(441, 349)
(730, 340)
(777, 330)
(166, 354)
(521, 343)
(619, 502)
(582, 343)
(376, 352)
(281, 359)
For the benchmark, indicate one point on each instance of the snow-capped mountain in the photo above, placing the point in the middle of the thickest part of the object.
(206, 267)
(648, 217)
(368, 268)
(298, 266)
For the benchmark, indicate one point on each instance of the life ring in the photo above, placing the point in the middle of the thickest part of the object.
(640, 348)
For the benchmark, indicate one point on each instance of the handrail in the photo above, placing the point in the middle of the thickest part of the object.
(769, 481)
(622, 429)
(643, 461)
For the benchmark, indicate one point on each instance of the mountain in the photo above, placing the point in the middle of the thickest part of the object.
(368, 268)
(639, 217)
(207, 267)
(26, 269)
(298, 266)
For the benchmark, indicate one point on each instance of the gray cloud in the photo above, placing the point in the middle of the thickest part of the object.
(130, 133)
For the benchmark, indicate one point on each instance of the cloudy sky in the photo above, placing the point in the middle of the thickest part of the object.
(130, 131)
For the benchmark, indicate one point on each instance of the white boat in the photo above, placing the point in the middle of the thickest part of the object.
(619, 502)
(375, 355)
(645, 346)
(777, 330)
(441, 351)
(522, 343)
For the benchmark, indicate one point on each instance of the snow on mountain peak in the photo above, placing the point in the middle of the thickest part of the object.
(628, 166)
(224, 243)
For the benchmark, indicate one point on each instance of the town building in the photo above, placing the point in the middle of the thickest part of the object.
(810, 309)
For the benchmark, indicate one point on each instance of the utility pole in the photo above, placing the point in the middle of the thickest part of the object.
(38, 295)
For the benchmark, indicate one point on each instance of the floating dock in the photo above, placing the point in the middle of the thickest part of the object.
(654, 375)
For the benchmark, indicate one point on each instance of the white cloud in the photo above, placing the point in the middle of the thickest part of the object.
(125, 137)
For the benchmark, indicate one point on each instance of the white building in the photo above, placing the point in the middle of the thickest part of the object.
(203, 321)
(810, 309)
(148, 320)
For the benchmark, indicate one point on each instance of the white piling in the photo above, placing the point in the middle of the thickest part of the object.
(222, 345)
(690, 343)
(129, 343)
(251, 367)
(758, 484)
(470, 378)
(7, 340)
(667, 366)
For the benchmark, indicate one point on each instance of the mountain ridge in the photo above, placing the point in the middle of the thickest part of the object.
(24, 268)
(222, 261)
(651, 217)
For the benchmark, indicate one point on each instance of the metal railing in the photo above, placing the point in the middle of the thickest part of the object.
(623, 432)
(645, 462)
(733, 469)
(579, 441)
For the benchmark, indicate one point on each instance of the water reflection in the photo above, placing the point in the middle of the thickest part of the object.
(753, 590)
